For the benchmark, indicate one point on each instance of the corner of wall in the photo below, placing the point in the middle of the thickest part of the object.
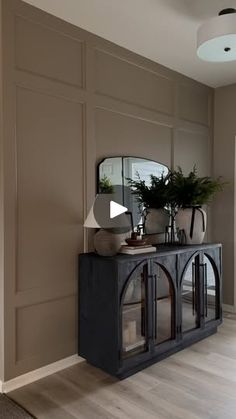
(1, 212)
(224, 207)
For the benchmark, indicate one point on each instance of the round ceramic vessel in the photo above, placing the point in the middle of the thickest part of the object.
(107, 243)
(194, 228)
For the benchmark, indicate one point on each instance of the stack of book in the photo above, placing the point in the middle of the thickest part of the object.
(135, 250)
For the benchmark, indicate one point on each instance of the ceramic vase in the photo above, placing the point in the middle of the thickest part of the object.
(191, 223)
(107, 243)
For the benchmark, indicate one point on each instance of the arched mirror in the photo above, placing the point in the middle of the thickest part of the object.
(116, 170)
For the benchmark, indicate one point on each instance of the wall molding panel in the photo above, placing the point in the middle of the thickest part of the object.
(142, 87)
(35, 54)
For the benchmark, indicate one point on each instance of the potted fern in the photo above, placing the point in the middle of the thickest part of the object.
(152, 200)
(188, 194)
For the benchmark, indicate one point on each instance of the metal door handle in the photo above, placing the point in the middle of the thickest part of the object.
(205, 288)
(193, 288)
(204, 266)
(155, 306)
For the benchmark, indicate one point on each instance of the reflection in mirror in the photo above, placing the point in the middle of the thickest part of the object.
(110, 174)
(116, 170)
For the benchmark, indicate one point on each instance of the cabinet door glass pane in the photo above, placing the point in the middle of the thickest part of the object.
(190, 318)
(134, 314)
(209, 290)
(163, 305)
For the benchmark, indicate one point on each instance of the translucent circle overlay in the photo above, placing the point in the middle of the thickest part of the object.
(122, 195)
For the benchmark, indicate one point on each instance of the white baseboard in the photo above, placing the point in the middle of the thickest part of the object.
(30, 377)
(229, 308)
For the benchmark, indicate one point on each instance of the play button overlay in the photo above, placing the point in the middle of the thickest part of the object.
(116, 209)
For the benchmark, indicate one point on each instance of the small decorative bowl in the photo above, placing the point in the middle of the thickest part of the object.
(133, 242)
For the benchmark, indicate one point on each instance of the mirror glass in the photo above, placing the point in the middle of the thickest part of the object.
(117, 170)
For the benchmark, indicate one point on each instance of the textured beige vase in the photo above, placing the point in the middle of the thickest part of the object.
(107, 243)
(183, 222)
(156, 221)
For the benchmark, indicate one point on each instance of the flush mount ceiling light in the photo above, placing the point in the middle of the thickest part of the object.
(216, 38)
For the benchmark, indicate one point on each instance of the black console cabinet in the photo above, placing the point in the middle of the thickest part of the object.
(136, 310)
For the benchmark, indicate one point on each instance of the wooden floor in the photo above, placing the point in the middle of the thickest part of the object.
(196, 383)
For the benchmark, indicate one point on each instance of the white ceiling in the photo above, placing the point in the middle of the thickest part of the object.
(162, 30)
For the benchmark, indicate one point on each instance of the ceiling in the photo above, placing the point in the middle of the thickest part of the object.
(162, 30)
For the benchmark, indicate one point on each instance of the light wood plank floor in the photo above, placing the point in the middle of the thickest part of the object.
(196, 383)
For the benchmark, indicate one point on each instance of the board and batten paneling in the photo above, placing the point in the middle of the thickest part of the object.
(46, 52)
(194, 104)
(40, 337)
(128, 82)
(45, 191)
(71, 98)
(196, 148)
(49, 165)
(138, 137)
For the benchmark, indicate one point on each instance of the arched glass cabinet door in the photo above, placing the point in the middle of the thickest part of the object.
(134, 313)
(211, 289)
(190, 296)
(164, 306)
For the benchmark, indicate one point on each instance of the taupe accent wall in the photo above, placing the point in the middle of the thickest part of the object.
(70, 99)
(225, 165)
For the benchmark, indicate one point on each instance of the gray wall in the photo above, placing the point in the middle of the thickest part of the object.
(224, 165)
(70, 99)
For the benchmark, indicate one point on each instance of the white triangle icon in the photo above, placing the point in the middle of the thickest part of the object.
(116, 209)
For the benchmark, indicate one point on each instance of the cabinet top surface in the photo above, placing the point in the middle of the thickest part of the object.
(162, 250)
